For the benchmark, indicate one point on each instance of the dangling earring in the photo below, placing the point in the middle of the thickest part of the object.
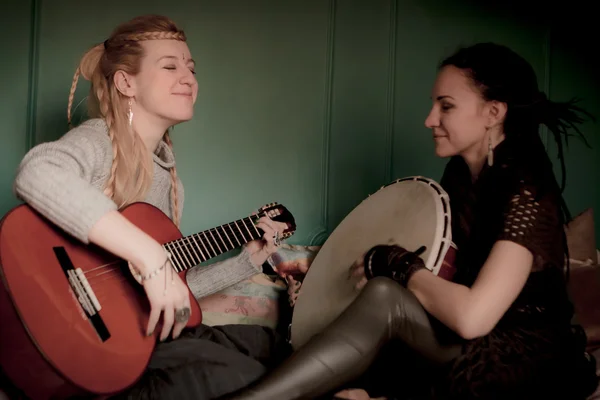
(490, 156)
(130, 115)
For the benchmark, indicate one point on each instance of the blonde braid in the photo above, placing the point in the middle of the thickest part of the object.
(174, 193)
(72, 96)
(137, 37)
(88, 64)
(88, 68)
(107, 111)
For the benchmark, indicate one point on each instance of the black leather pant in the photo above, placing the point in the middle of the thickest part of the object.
(383, 311)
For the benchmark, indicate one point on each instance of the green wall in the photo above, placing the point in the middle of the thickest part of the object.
(314, 104)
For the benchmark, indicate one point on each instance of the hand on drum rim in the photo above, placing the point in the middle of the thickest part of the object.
(357, 271)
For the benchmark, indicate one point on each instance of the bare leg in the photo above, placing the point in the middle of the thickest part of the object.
(345, 349)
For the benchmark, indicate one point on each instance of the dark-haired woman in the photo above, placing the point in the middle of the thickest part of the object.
(502, 329)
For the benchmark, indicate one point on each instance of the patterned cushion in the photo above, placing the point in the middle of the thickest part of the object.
(254, 301)
(291, 263)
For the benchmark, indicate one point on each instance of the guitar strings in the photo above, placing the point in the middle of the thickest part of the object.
(99, 276)
(183, 245)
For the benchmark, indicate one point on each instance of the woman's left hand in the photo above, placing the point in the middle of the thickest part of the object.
(260, 250)
(392, 261)
(357, 272)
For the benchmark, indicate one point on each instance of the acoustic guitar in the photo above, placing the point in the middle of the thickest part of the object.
(73, 317)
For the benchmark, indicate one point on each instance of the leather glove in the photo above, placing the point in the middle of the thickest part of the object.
(393, 262)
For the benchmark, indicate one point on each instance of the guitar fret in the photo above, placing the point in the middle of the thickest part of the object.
(221, 239)
(180, 255)
(174, 260)
(203, 245)
(230, 231)
(192, 252)
(185, 249)
(227, 236)
(215, 241)
(252, 236)
(210, 244)
(242, 233)
(202, 256)
(234, 235)
(177, 256)
(193, 244)
(248, 230)
(168, 248)
(255, 228)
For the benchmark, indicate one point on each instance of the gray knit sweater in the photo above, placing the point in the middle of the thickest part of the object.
(64, 179)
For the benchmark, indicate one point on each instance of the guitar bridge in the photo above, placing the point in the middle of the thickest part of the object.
(84, 293)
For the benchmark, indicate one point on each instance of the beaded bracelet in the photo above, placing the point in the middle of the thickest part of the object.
(141, 278)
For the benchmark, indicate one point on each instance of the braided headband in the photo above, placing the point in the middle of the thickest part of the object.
(155, 36)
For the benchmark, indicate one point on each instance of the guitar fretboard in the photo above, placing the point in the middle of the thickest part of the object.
(191, 250)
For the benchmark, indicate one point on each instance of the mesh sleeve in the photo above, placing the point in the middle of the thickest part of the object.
(532, 220)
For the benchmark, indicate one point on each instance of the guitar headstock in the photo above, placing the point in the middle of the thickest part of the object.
(279, 213)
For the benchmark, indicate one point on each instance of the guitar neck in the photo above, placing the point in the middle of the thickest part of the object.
(194, 249)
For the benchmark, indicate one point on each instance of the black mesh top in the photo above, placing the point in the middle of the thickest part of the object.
(512, 200)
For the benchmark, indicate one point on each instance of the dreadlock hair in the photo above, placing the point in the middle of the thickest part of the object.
(131, 171)
(501, 74)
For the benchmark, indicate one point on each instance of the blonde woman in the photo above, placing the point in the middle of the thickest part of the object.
(142, 84)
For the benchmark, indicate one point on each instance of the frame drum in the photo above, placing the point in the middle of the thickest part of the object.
(410, 212)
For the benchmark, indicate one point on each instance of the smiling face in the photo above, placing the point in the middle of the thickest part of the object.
(460, 117)
(166, 86)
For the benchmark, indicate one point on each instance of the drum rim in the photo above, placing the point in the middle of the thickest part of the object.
(443, 237)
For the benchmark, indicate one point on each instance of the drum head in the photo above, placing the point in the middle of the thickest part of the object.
(408, 213)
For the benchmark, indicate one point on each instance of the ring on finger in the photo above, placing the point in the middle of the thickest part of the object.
(182, 314)
(276, 240)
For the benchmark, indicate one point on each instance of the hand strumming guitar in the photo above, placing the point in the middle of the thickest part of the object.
(168, 295)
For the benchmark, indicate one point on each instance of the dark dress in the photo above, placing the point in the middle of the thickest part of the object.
(208, 362)
(534, 351)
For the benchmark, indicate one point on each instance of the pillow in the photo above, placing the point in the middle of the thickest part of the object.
(291, 263)
(581, 238)
(584, 290)
(254, 301)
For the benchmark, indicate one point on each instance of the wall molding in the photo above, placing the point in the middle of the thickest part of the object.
(391, 93)
(34, 40)
(319, 235)
(547, 50)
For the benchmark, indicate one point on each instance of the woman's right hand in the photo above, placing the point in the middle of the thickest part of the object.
(357, 272)
(168, 295)
(121, 237)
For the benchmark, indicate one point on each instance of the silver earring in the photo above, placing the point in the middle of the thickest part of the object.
(130, 115)
(490, 156)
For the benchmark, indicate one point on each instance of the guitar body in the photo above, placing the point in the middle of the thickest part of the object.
(49, 347)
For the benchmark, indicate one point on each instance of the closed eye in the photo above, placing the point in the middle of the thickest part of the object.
(173, 68)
